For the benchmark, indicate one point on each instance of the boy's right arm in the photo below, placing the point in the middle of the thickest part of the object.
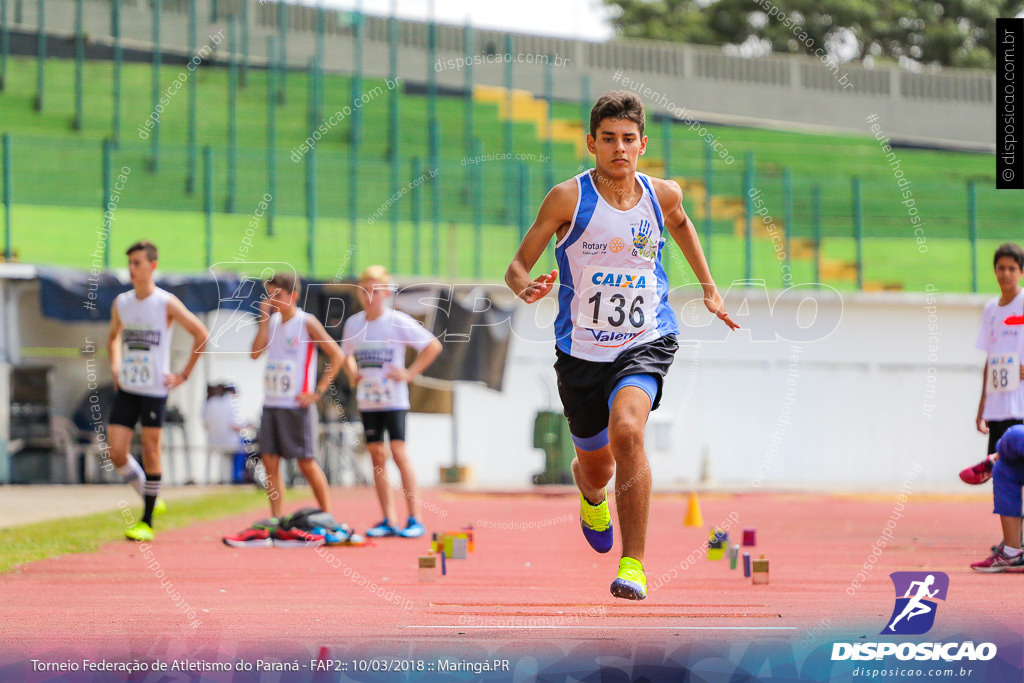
(114, 345)
(980, 422)
(259, 344)
(555, 212)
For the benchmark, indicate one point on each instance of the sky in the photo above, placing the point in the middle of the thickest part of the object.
(583, 19)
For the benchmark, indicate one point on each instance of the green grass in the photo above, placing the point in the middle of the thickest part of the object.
(33, 542)
(57, 179)
(67, 236)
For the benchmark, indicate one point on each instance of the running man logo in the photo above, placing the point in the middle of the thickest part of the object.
(914, 612)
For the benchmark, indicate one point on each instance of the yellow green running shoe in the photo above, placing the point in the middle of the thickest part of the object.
(596, 522)
(631, 583)
(160, 507)
(140, 531)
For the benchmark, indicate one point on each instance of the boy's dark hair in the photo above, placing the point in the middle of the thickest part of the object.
(617, 104)
(143, 245)
(1012, 250)
(285, 281)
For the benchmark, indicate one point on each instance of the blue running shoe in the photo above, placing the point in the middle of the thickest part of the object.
(631, 583)
(596, 522)
(381, 530)
(413, 529)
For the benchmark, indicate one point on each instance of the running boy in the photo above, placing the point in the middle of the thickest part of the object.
(139, 346)
(376, 339)
(615, 333)
(289, 425)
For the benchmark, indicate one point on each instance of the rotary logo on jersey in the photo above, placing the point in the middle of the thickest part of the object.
(643, 245)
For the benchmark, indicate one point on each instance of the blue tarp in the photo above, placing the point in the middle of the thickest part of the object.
(83, 296)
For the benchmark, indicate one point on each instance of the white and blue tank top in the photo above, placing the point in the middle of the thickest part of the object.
(613, 291)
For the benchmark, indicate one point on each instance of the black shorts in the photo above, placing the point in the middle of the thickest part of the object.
(377, 422)
(996, 429)
(289, 432)
(130, 408)
(585, 386)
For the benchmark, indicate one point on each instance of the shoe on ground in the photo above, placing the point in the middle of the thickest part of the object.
(978, 474)
(631, 583)
(140, 531)
(295, 538)
(596, 522)
(343, 535)
(160, 507)
(383, 529)
(250, 538)
(999, 562)
(413, 529)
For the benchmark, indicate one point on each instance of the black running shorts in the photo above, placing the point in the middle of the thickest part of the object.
(377, 422)
(585, 386)
(129, 409)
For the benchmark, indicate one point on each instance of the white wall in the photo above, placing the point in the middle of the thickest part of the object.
(872, 391)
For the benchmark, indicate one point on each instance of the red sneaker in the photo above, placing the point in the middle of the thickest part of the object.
(250, 538)
(998, 562)
(978, 474)
(296, 538)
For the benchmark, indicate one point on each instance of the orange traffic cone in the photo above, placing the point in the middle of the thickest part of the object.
(693, 515)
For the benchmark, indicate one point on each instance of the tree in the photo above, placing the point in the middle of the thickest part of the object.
(944, 32)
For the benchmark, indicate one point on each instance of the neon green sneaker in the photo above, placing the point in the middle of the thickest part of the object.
(160, 507)
(596, 522)
(140, 531)
(631, 582)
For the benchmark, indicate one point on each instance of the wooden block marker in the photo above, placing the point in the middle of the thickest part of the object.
(760, 571)
(428, 568)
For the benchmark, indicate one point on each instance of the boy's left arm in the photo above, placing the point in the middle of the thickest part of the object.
(678, 224)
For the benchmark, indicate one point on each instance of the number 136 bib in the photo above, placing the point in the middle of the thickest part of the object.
(620, 299)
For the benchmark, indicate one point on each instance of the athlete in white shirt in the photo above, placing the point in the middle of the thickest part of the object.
(139, 345)
(289, 425)
(375, 340)
(615, 333)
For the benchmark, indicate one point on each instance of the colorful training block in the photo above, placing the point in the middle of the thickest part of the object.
(715, 550)
(749, 537)
(760, 572)
(746, 565)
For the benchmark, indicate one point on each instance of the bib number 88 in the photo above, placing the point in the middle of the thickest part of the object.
(619, 314)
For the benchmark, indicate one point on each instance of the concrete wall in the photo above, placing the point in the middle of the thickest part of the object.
(952, 106)
(847, 398)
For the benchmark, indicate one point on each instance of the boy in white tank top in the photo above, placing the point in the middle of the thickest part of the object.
(615, 333)
(139, 345)
(289, 424)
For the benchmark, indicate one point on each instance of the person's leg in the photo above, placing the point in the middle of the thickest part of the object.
(592, 470)
(275, 483)
(151, 462)
(310, 469)
(379, 455)
(1011, 531)
(410, 489)
(630, 407)
(119, 439)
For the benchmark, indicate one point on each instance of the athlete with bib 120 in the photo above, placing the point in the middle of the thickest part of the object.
(139, 345)
(615, 332)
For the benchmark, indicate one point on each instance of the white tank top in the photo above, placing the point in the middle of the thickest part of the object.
(613, 290)
(291, 361)
(145, 342)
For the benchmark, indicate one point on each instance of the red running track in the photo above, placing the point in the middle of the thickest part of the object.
(531, 581)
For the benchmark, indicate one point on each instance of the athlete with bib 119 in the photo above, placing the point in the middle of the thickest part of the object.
(139, 345)
(615, 332)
